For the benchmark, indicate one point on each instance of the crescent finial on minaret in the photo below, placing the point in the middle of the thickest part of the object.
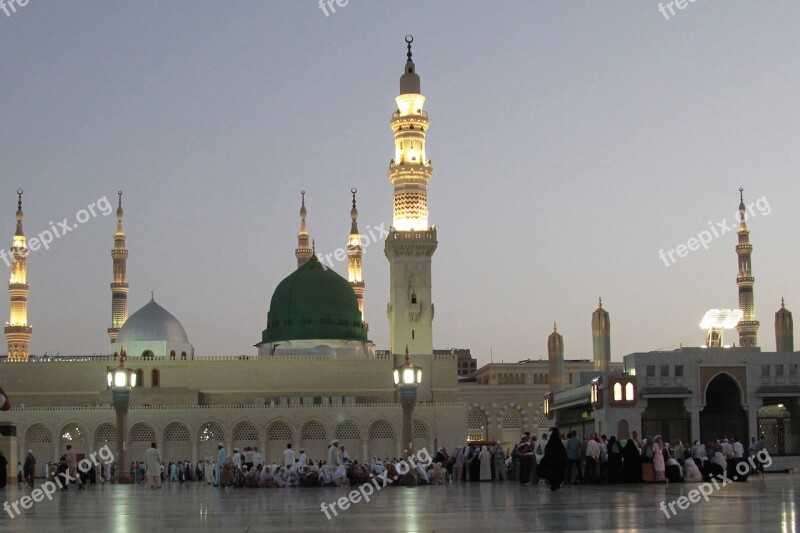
(409, 40)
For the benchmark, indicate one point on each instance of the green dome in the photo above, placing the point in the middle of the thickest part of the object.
(313, 302)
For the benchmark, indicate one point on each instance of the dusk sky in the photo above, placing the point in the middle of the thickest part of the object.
(570, 141)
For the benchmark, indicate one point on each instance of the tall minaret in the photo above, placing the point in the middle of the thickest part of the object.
(18, 332)
(601, 336)
(748, 325)
(784, 330)
(555, 355)
(411, 241)
(119, 287)
(354, 254)
(302, 252)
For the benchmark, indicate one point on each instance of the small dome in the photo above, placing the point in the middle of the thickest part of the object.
(152, 323)
(313, 302)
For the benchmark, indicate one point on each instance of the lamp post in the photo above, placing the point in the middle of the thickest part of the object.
(121, 380)
(406, 379)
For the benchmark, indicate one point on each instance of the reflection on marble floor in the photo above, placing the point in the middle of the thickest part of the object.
(766, 503)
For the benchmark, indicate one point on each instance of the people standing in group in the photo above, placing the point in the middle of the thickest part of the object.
(485, 459)
(738, 449)
(72, 464)
(659, 464)
(591, 473)
(29, 468)
(615, 460)
(152, 459)
(554, 462)
(574, 457)
(632, 465)
(220, 459)
(288, 456)
(499, 458)
(458, 464)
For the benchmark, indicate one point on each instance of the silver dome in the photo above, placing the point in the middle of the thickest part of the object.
(152, 323)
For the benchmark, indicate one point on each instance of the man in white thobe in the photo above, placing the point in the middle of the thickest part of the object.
(152, 460)
(220, 458)
(288, 456)
(257, 460)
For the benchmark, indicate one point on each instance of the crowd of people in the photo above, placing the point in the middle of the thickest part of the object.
(554, 460)
(336, 469)
(599, 459)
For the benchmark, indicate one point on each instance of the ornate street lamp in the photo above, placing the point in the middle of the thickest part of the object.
(121, 380)
(406, 379)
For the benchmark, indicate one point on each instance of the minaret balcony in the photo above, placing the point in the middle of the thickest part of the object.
(421, 116)
(745, 280)
(18, 330)
(396, 171)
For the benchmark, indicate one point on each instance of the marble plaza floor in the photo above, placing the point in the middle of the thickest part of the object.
(765, 503)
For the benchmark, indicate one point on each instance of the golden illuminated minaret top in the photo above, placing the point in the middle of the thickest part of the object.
(303, 253)
(748, 325)
(410, 170)
(354, 254)
(17, 331)
(119, 287)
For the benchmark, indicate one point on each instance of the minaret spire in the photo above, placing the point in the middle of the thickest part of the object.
(411, 242)
(601, 338)
(119, 285)
(354, 254)
(555, 357)
(18, 332)
(784, 330)
(748, 325)
(303, 253)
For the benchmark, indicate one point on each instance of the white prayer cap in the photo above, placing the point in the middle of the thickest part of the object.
(220, 445)
(335, 441)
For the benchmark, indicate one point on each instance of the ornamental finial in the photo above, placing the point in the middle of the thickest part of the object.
(19, 198)
(409, 40)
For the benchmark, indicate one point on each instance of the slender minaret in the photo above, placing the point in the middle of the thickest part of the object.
(555, 355)
(411, 241)
(18, 332)
(302, 252)
(354, 253)
(784, 330)
(748, 325)
(601, 336)
(119, 287)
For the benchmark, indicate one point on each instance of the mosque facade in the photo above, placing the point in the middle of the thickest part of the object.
(315, 327)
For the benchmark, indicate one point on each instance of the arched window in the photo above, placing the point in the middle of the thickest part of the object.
(629, 392)
(140, 378)
(413, 297)
(183, 356)
(172, 355)
(155, 378)
(147, 354)
(617, 392)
